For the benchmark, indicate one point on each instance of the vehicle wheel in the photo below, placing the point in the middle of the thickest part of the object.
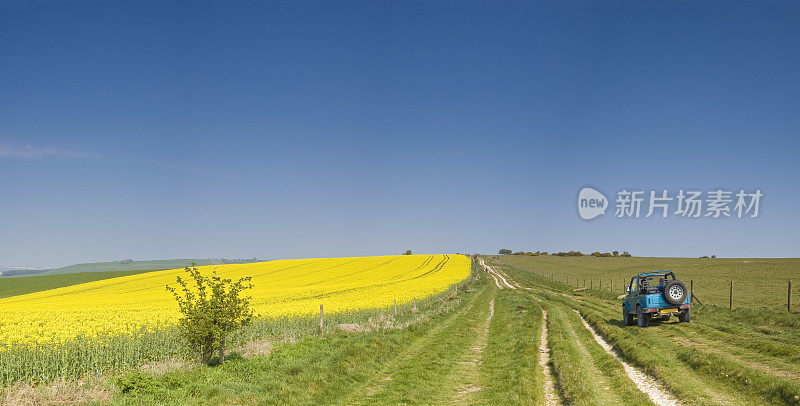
(642, 319)
(686, 316)
(627, 316)
(675, 292)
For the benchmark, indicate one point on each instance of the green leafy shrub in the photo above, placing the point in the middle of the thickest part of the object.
(213, 308)
(138, 383)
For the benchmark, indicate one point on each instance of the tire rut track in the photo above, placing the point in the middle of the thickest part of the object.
(550, 395)
(645, 383)
(377, 384)
(648, 385)
(467, 385)
(441, 358)
(600, 377)
(719, 397)
(499, 279)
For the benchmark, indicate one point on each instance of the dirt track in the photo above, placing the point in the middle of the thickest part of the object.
(646, 384)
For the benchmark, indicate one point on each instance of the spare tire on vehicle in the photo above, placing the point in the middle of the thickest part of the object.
(675, 292)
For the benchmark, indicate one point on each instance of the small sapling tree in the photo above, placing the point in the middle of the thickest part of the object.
(212, 307)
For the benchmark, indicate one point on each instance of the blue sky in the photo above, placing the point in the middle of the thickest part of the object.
(172, 129)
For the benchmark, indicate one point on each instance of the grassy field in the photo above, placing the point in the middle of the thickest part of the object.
(757, 282)
(484, 342)
(30, 284)
(722, 357)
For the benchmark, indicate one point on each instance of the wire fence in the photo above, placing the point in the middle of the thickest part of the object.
(765, 292)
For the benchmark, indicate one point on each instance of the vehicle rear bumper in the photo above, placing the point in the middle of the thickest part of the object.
(678, 308)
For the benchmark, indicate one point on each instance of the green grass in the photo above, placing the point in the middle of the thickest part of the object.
(308, 372)
(437, 356)
(742, 356)
(510, 373)
(29, 284)
(578, 379)
(586, 374)
(313, 371)
(758, 282)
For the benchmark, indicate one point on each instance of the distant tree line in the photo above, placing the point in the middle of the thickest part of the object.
(611, 254)
(17, 272)
(506, 251)
(225, 261)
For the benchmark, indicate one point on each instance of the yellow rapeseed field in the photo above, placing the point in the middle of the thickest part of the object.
(281, 288)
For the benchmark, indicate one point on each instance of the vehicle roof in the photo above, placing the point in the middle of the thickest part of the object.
(651, 273)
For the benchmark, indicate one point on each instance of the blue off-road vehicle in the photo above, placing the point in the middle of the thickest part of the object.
(656, 295)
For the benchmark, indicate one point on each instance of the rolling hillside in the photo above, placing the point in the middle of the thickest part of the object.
(152, 265)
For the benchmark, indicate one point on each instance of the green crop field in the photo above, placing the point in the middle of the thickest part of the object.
(29, 284)
(757, 282)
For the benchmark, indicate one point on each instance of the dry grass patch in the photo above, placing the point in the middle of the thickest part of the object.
(57, 392)
(256, 348)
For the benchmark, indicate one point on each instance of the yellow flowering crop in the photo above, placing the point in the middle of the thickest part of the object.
(281, 288)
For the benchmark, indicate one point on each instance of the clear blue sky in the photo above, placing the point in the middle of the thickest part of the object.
(293, 129)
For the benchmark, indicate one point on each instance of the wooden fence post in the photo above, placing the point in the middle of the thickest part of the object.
(395, 308)
(600, 284)
(730, 304)
(321, 319)
(693, 297)
(789, 298)
(415, 305)
(612, 284)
